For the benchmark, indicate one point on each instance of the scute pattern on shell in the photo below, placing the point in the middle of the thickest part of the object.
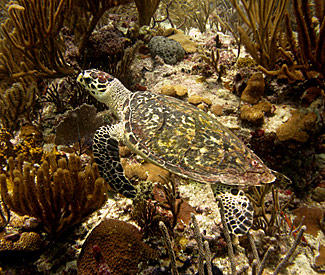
(169, 132)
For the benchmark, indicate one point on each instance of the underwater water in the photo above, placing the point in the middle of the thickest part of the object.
(162, 137)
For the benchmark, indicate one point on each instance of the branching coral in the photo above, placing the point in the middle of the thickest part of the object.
(186, 14)
(212, 58)
(60, 193)
(31, 44)
(146, 9)
(307, 52)
(6, 147)
(16, 102)
(31, 39)
(263, 19)
(311, 36)
(270, 224)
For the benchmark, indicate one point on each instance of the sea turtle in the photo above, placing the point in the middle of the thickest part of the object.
(176, 136)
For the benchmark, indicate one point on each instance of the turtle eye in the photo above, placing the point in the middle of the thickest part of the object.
(254, 163)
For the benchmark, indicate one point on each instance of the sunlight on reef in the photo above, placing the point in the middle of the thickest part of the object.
(184, 67)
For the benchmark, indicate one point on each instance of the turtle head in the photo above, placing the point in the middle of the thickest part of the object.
(97, 83)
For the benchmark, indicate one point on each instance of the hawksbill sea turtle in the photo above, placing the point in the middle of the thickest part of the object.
(178, 137)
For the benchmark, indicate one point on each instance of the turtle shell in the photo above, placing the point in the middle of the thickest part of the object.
(186, 141)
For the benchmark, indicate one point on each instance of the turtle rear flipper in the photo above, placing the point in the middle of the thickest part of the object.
(106, 153)
(237, 207)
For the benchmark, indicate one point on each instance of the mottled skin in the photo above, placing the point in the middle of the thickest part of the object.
(178, 137)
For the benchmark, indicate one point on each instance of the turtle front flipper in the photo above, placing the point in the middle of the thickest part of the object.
(237, 207)
(106, 153)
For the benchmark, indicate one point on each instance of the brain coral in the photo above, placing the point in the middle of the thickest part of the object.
(121, 246)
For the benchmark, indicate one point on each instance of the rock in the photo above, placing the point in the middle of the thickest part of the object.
(169, 50)
(144, 171)
(168, 90)
(254, 89)
(203, 107)
(318, 194)
(188, 45)
(180, 90)
(296, 127)
(173, 90)
(216, 109)
(196, 99)
(255, 114)
(313, 216)
(320, 258)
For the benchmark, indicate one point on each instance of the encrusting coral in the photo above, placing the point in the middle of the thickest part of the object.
(59, 194)
(26, 149)
(121, 247)
(297, 127)
(254, 89)
(255, 113)
(26, 241)
(174, 90)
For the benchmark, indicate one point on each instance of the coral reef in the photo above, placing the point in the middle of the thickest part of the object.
(255, 113)
(121, 246)
(297, 127)
(61, 195)
(26, 241)
(81, 122)
(311, 217)
(188, 45)
(263, 20)
(169, 50)
(271, 94)
(16, 102)
(35, 47)
(254, 89)
(146, 10)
